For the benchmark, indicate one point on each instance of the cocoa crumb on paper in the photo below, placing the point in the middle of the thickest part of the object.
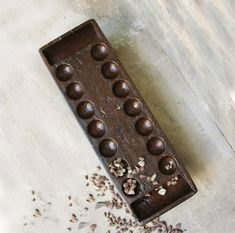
(101, 198)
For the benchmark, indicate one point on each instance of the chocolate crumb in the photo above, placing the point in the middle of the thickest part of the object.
(90, 198)
(37, 213)
(93, 227)
(103, 195)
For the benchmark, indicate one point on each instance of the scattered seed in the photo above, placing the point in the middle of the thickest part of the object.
(37, 213)
(93, 227)
(90, 198)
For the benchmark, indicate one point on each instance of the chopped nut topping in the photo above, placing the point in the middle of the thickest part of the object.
(141, 163)
(118, 167)
(161, 191)
(170, 165)
(129, 186)
(173, 181)
(153, 177)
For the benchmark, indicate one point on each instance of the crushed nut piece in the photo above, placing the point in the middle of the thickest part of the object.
(155, 182)
(129, 186)
(141, 163)
(118, 167)
(153, 177)
(161, 191)
(173, 181)
(170, 165)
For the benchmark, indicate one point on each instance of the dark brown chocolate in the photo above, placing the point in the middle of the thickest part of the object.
(124, 133)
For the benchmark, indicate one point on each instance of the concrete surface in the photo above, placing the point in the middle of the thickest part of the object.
(181, 56)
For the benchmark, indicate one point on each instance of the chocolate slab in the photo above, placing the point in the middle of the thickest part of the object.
(122, 130)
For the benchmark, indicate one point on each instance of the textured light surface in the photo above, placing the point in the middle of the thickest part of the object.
(181, 56)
